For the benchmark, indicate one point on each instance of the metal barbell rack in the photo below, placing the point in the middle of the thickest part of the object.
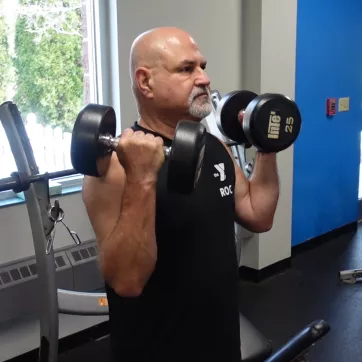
(35, 186)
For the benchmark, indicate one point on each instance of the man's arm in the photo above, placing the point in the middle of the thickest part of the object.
(256, 198)
(122, 215)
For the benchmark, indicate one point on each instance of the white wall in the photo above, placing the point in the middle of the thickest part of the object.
(269, 44)
(15, 235)
(279, 22)
(251, 43)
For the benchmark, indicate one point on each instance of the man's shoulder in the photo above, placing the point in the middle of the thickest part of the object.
(217, 143)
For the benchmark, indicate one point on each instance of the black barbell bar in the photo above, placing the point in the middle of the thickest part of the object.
(20, 182)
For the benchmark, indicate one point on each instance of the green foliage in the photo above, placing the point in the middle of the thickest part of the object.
(6, 74)
(49, 71)
(60, 15)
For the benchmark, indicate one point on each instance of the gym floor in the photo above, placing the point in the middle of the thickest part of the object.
(281, 305)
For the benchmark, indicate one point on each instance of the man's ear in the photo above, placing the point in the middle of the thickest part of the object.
(144, 81)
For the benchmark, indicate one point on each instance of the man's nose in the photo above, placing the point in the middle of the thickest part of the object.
(202, 78)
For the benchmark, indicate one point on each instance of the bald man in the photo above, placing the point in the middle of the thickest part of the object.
(169, 260)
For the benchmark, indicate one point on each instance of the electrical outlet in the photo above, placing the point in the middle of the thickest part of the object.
(343, 104)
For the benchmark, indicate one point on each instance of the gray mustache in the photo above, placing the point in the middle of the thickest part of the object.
(198, 93)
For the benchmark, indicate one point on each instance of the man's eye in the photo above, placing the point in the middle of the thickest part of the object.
(187, 69)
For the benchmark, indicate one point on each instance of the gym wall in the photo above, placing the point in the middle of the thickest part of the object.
(269, 42)
(327, 153)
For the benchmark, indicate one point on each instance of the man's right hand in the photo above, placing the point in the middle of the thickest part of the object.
(141, 156)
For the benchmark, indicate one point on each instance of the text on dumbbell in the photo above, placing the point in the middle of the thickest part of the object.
(289, 125)
(274, 125)
(226, 191)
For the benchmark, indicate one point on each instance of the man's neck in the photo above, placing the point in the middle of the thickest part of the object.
(160, 125)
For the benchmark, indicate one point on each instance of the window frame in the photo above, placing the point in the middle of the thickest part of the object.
(104, 79)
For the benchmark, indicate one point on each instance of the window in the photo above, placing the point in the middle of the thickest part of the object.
(49, 69)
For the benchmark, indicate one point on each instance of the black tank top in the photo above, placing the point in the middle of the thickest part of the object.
(188, 310)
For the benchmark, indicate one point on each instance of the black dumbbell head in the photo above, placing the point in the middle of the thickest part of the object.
(186, 157)
(227, 114)
(92, 121)
(272, 122)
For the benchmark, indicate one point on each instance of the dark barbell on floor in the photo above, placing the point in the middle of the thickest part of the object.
(93, 138)
(270, 122)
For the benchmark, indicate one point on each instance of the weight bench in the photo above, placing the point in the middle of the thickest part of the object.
(256, 348)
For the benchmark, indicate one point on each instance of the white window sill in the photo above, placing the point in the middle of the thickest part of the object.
(57, 187)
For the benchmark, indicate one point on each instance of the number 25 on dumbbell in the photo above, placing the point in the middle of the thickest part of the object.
(275, 124)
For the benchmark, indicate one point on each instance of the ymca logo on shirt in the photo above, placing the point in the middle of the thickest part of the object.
(221, 168)
(227, 190)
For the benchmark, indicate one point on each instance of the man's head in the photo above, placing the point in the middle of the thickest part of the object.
(168, 76)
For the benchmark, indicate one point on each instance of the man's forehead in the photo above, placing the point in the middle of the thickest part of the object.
(183, 53)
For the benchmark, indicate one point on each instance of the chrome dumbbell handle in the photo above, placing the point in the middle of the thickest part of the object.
(112, 142)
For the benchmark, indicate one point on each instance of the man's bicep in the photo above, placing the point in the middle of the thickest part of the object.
(244, 214)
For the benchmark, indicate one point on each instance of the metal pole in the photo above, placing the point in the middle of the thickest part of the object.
(37, 197)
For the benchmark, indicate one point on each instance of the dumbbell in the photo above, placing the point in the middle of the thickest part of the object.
(93, 137)
(270, 122)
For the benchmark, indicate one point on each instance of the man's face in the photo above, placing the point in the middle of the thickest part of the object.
(180, 81)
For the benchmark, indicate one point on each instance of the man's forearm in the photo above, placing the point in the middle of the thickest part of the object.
(129, 255)
(264, 186)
